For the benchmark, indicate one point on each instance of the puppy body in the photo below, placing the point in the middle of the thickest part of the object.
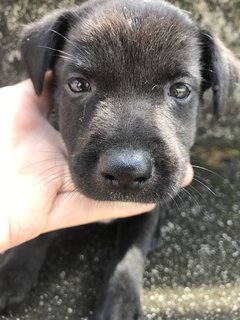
(129, 80)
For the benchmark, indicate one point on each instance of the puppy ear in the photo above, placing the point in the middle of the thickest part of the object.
(40, 43)
(220, 70)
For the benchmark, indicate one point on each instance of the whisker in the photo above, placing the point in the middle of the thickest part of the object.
(67, 58)
(191, 196)
(196, 190)
(204, 185)
(182, 202)
(52, 178)
(159, 201)
(46, 180)
(174, 201)
(208, 170)
(42, 161)
(71, 194)
(166, 203)
(204, 180)
(61, 35)
(38, 180)
(60, 51)
(69, 182)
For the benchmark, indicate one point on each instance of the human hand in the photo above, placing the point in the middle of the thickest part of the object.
(37, 194)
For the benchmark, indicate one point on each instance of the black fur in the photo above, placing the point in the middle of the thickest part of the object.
(131, 53)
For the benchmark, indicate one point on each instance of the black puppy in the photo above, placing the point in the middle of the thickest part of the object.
(129, 79)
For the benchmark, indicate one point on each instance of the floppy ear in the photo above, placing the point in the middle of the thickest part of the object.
(40, 43)
(220, 70)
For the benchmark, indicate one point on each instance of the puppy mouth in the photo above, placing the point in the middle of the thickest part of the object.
(126, 174)
(143, 192)
(141, 186)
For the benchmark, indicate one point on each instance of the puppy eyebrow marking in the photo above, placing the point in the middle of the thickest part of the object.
(182, 75)
(81, 66)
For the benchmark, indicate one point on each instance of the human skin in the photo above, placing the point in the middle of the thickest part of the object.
(37, 194)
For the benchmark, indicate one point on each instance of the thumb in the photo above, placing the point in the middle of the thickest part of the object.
(72, 209)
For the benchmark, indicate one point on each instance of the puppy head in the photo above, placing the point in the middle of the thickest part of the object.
(129, 77)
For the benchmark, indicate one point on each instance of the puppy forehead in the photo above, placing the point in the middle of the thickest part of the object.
(151, 33)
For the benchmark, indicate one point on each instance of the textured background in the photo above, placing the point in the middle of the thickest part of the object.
(196, 272)
(221, 16)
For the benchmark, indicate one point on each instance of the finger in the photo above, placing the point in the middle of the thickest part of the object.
(25, 217)
(72, 209)
(4, 229)
(187, 179)
(29, 97)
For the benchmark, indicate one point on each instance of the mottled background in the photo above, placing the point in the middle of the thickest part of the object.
(196, 272)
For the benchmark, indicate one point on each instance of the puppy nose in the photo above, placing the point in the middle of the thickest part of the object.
(128, 169)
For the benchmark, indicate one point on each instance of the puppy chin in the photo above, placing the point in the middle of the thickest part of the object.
(133, 208)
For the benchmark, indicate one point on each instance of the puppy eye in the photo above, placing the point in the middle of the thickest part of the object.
(78, 85)
(180, 90)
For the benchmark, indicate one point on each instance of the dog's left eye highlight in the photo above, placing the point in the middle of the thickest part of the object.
(180, 91)
(79, 85)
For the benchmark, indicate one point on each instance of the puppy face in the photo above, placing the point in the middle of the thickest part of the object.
(128, 84)
(139, 79)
